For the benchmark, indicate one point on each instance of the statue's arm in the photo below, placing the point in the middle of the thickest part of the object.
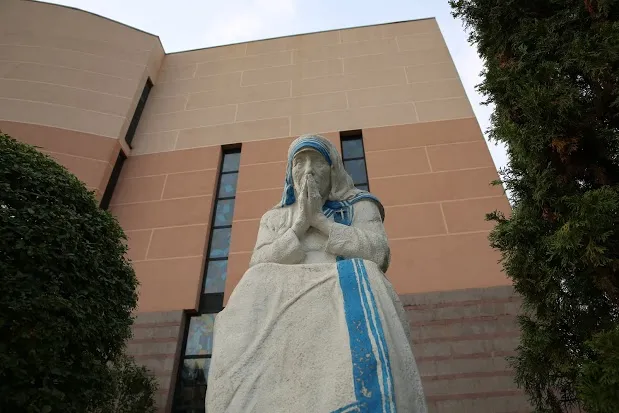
(366, 238)
(274, 246)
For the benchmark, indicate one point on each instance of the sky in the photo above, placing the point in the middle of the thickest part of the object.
(193, 24)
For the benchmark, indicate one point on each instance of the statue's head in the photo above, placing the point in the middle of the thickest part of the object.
(316, 156)
(309, 162)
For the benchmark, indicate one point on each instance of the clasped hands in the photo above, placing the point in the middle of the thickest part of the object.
(310, 209)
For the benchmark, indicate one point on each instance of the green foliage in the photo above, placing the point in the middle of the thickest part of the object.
(66, 289)
(131, 390)
(552, 72)
(598, 382)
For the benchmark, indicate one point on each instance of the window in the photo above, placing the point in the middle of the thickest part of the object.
(353, 156)
(138, 112)
(198, 344)
(111, 183)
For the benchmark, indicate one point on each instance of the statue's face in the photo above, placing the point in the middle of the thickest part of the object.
(311, 163)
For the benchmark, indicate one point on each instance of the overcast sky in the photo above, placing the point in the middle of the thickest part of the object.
(194, 24)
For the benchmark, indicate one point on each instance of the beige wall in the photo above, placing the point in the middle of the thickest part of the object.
(70, 69)
(70, 82)
(163, 202)
(383, 75)
(71, 87)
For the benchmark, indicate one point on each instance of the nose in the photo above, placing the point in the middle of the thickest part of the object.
(307, 168)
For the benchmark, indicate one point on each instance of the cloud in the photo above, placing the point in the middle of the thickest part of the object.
(241, 21)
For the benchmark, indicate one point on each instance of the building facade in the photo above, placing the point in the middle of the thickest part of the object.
(188, 151)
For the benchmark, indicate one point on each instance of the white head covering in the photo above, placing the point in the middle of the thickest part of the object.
(343, 193)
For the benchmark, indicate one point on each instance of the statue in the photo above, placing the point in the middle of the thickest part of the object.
(314, 325)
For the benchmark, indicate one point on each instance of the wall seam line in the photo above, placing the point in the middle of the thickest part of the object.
(71, 68)
(63, 106)
(150, 239)
(160, 200)
(441, 235)
(444, 218)
(444, 201)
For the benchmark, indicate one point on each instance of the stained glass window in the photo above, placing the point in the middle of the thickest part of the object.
(216, 272)
(227, 185)
(223, 212)
(193, 372)
(200, 336)
(220, 242)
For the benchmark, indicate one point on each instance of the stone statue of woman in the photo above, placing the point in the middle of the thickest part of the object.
(314, 325)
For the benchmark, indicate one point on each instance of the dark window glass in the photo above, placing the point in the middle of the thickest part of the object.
(227, 185)
(192, 386)
(223, 212)
(356, 169)
(231, 162)
(111, 183)
(216, 272)
(195, 371)
(220, 242)
(200, 336)
(135, 120)
(363, 187)
(352, 148)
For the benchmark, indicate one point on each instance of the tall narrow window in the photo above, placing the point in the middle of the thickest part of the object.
(111, 183)
(353, 156)
(138, 112)
(198, 346)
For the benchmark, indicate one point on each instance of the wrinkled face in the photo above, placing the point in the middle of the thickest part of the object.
(309, 162)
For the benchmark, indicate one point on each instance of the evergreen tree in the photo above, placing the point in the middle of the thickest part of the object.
(552, 72)
(67, 292)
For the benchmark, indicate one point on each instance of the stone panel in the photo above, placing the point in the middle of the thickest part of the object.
(431, 72)
(337, 83)
(433, 187)
(169, 284)
(186, 241)
(463, 360)
(444, 262)
(413, 92)
(437, 54)
(421, 134)
(460, 156)
(414, 221)
(291, 106)
(470, 215)
(143, 189)
(166, 213)
(239, 94)
(156, 344)
(397, 162)
(444, 109)
(351, 119)
(234, 132)
(217, 67)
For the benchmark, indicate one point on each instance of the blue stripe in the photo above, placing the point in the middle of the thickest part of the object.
(379, 337)
(364, 365)
(311, 143)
